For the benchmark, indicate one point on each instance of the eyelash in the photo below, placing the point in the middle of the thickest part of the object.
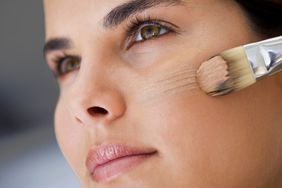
(133, 29)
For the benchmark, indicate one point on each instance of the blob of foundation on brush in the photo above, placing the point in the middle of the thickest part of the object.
(172, 80)
(212, 74)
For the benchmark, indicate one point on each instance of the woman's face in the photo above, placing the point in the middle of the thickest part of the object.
(130, 113)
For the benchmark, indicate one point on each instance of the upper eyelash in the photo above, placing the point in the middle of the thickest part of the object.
(135, 23)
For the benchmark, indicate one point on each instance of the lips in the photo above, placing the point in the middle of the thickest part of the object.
(109, 161)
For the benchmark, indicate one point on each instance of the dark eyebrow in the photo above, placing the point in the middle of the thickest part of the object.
(56, 44)
(124, 11)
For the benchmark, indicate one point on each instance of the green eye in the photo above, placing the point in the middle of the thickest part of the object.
(68, 64)
(150, 31)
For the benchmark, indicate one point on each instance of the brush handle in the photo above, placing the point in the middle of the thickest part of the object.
(265, 57)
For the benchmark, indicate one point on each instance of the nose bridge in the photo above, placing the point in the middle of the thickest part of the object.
(94, 97)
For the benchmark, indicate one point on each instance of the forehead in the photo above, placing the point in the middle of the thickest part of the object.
(61, 14)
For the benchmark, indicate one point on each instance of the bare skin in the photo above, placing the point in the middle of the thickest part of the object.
(149, 98)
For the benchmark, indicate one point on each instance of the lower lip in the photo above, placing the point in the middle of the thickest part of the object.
(117, 167)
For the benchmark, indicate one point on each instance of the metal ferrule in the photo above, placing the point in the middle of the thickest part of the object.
(265, 57)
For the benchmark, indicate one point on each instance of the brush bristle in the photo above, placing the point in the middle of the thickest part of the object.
(239, 68)
(235, 73)
(212, 74)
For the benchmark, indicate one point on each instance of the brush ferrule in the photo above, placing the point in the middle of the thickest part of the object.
(265, 57)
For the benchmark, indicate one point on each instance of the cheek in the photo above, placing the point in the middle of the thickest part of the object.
(215, 139)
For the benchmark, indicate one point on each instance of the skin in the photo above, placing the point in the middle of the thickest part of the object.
(152, 99)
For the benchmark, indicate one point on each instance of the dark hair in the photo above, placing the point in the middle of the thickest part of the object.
(265, 15)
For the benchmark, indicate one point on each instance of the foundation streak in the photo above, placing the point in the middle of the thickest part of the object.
(171, 82)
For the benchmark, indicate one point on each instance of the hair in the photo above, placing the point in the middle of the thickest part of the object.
(265, 15)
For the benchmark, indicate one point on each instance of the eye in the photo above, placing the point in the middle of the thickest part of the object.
(150, 32)
(148, 29)
(67, 64)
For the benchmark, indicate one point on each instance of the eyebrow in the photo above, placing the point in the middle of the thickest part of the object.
(56, 44)
(126, 10)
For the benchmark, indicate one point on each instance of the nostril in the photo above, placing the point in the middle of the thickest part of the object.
(97, 111)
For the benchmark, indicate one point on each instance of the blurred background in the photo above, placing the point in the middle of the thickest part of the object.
(29, 155)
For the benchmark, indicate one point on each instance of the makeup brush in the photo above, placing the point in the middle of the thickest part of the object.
(240, 67)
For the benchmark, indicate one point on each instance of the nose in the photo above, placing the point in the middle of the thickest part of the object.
(93, 102)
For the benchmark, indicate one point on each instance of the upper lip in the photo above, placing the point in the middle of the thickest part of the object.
(106, 153)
